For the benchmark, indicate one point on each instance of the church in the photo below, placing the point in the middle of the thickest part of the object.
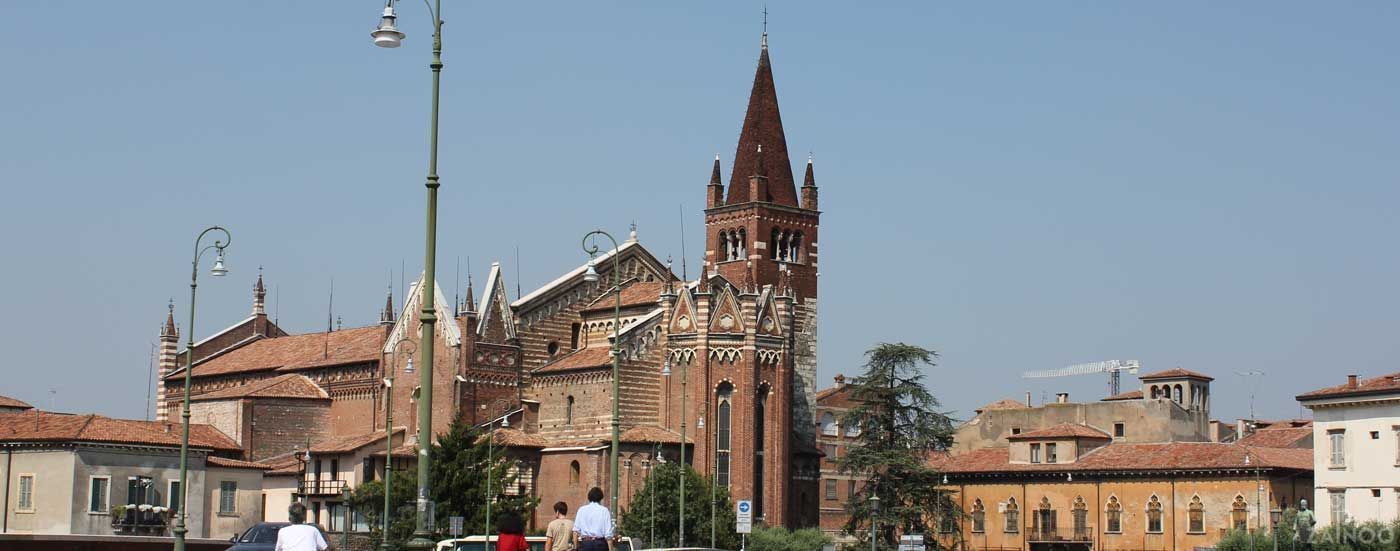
(722, 366)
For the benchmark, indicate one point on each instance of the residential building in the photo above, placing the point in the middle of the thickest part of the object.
(834, 438)
(73, 474)
(1356, 430)
(11, 405)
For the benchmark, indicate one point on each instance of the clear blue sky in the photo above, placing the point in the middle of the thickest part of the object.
(1205, 185)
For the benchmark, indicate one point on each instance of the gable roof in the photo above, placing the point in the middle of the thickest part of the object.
(289, 386)
(408, 322)
(348, 444)
(216, 461)
(1005, 403)
(8, 402)
(1063, 430)
(37, 426)
(603, 260)
(1132, 458)
(1129, 395)
(1281, 437)
(1385, 384)
(583, 358)
(495, 306)
(636, 293)
(836, 397)
(296, 352)
(1176, 373)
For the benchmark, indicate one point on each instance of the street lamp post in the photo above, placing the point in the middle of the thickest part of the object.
(389, 430)
(491, 464)
(592, 276)
(388, 36)
(1275, 515)
(217, 271)
(874, 509)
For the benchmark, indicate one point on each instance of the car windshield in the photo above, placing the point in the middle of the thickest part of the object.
(261, 533)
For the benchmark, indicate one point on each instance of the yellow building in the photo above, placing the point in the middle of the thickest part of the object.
(1071, 486)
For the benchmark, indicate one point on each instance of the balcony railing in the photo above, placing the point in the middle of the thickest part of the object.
(1037, 533)
(320, 487)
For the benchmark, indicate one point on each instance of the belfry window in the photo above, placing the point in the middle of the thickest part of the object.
(759, 413)
(722, 433)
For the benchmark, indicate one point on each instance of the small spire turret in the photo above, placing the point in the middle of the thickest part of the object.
(259, 296)
(169, 331)
(386, 316)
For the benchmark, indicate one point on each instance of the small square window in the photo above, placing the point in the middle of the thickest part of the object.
(1375, 435)
(1119, 430)
(1375, 492)
(1015, 430)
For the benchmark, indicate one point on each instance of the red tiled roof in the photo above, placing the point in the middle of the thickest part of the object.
(1063, 430)
(1129, 395)
(584, 358)
(406, 450)
(1282, 437)
(285, 465)
(1002, 404)
(8, 402)
(60, 427)
(215, 461)
(283, 386)
(1384, 384)
(837, 397)
(648, 434)
(518, 439)
(1124, 457)
(294, 352)
(638, 293)
(349, 444)
(1176, 373)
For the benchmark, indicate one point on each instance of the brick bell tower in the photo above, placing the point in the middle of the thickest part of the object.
(761, 243)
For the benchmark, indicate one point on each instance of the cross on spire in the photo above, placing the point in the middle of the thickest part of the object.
(765, 26)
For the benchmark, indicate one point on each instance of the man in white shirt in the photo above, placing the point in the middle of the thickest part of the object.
(300, 536)
(593, 524)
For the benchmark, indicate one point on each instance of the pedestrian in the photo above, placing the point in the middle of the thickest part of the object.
(593, 524)
(299, 536)
(510, 532)
(559, 535)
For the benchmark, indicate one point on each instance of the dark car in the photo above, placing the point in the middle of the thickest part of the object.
(262, 537)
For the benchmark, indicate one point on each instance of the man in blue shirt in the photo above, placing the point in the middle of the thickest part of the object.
(593, 524)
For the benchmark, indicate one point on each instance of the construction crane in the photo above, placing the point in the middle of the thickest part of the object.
(1112, 367)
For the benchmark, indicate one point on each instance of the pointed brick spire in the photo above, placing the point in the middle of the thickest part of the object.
(809, 180)
(469, 304)
(809, 187)
(714, 173)
(259, 296)
(714, 191)
(386, 316)
(763, 126)
(169, 331)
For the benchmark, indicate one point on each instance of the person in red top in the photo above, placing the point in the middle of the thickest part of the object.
(511, 535)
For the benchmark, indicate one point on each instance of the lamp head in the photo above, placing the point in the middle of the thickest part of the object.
(666, 367)
(505, 422)
(387, 35)
(591, 275)
(700, 424)
(408, 368)
(219, 270)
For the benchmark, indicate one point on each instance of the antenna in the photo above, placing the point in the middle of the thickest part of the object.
(330, 306)
(151, 368)
(685, 277)
(457, 287)
(1258, 378)
(276, 303)
(517, 272)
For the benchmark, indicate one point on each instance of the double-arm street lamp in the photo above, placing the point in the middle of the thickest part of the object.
(592, 276)
(491, 465)
(389, 429)
(217, 271)
(388, 36)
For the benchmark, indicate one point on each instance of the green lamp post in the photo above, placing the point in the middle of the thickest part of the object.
(388, 36)
(389, 431)
(592, 276)
(217, 271)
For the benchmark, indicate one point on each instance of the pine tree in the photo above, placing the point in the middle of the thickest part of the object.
(900, 426)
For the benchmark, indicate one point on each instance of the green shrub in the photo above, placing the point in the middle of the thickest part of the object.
(781, 539)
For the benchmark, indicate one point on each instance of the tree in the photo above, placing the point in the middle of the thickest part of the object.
(664, 484)
(778, 538)
(900, 426)
(459, 459)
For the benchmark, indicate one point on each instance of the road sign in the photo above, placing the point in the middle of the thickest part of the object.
(911, 542)
(743, 516)
(456, 524)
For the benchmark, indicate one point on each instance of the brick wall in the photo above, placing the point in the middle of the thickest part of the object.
(280, 426)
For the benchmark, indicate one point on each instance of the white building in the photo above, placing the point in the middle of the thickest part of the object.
(1356, 430)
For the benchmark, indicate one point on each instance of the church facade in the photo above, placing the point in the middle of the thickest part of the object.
(728, 359)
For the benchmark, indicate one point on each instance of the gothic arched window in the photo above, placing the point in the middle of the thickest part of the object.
(1196, 516)
(829, 424)
(1081, 517)
(795, 246)
(1113, 516)
(569, 410)
(1013, 517)
(573, 473)
(773, 244)
(979, 516)
(723, 398)
(1154, 515)
(1239, 513)
(760, 414)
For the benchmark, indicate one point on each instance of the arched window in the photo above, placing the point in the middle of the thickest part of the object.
(1081, 518)
(979, 516)
(784, 246)
(569, 411)
(1154, 392)
(1113, 516)
(573, 335)
(552, 348)
(722, 419)
(795, 254)
(760, 414)
(773, 244)
(1013, 517)
(1176, 394)
(1196, 516)
(1239, 513)
(573, 473)
(852, 430)
(743, 243)
(829, 424)
(1154, 515)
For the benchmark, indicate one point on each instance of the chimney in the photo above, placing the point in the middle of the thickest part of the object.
(1351, 381)
(840, 380)
(1028, 399)
(1062, 397)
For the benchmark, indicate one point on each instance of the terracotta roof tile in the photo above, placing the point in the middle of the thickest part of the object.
(406, 450)
(283, 386)
(596, 356)
(1002, 404)
(8, 402)
(227, 463)
(518, 439)
(1281, 437)
(1384, 384)
(837, 397)
(1124, 457)
(1129, 395)
(763, 126)
(1063, 430)
(348, 444)
(1174, 373)
(361, 344)
(59, 427)
(638, 293)
(648, 434)
(283, 465)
